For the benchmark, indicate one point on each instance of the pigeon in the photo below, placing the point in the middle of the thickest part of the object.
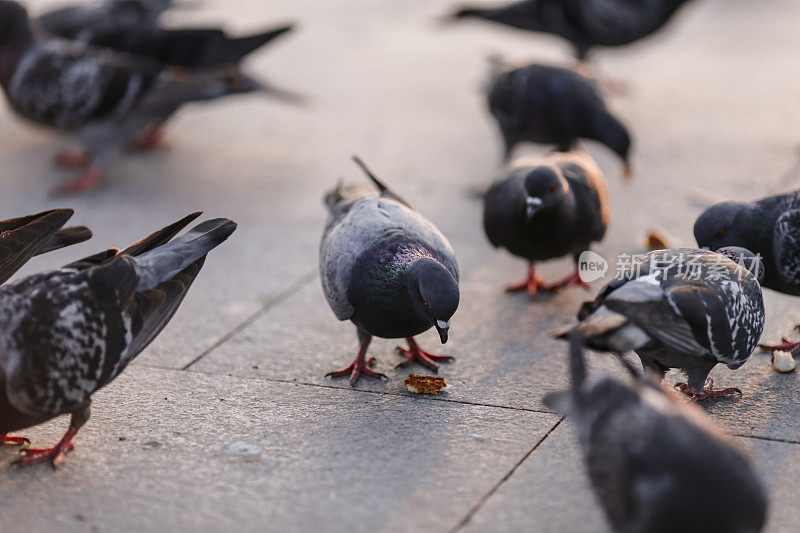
(553, 105)
(80, 22)
(680, 308)
(770, 227)
(24, 237)
(388, 270)
(658, 464)
(547, 207)
(584, 23)
(68, 332)
(103, 98)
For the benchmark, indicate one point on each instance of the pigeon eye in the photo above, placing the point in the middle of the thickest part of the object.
(554, 188)
(721, 233)
(426, 304)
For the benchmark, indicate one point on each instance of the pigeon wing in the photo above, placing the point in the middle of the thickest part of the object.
(786, 243)
(22, 238)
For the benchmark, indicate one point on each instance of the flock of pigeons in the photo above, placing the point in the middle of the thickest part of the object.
(107, 72)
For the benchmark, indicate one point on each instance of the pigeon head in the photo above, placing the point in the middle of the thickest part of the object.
(745, 259)
(546, 187)
(725, 224)
(14, 23)
(438, 294)
(614, 134)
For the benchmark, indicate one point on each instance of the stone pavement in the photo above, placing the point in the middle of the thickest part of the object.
(715, 112)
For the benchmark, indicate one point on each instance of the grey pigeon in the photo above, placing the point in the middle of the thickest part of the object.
(770, 227)
(552, 105)
(681, 308)
(24, 237)
(68, 332)
(584, 23)
(387, 269)
(105, 99)
(547, 207)
(81, 21)
(658, 464)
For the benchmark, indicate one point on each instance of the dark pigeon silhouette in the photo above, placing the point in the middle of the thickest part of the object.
(658, 464)
(81, 21)
(24, 237)
(68, 332)
(544, 208)
(388, 270)
(105, 99)
(552, 105)
(770, 227)
(681, 308)
(584, 23)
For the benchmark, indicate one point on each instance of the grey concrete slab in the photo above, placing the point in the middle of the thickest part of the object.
(550, 492)
(153, 458)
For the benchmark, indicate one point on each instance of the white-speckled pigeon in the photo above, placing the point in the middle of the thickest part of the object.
(68, 332)
(104, 98)
(584, 23)
(24, 237)
(553, 105)
(387, 269)
(770, 228)
(547, 207)
(80, 22)
(681, 308)
(657, 464)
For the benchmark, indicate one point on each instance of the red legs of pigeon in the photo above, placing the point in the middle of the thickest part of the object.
(787, 345)
(56, 453)
(67, 159)
(152, 139)
(417, 354)
(12, 441)
(91, 178)
(707, 392)
(361, 365)
(532, 283)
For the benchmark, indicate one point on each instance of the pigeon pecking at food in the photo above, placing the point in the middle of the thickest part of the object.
(584, 23)
(655, 463)
(388, 270)
(770, 227)
(81, 21)
(103, 98)
(547, 207)
(681, 308)
(552, 105)
(68, 332)
(24, 237)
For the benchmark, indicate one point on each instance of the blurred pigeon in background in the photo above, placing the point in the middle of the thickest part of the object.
(770, 227)
(68, 332)
(552, 105)
(657, 464)
(681, 308)
(548, 207)
(584, 23)
(387, 269)
(82, 21)
(103, 98)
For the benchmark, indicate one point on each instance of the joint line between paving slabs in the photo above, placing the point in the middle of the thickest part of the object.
(499, 484)
(761, 437)
(270, 303)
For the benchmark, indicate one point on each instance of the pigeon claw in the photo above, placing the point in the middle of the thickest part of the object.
(90, 179)
(533, 284)
(39, 455)
(355, 370)
(574, 279)
(67, 159)
(707, 392)
(415, 354)
(152, 139)
(13, 441)
(787, 345)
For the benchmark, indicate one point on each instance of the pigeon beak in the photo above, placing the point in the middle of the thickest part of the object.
(705, 248)
(442, 327)
(532, 206)
(627, 172)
